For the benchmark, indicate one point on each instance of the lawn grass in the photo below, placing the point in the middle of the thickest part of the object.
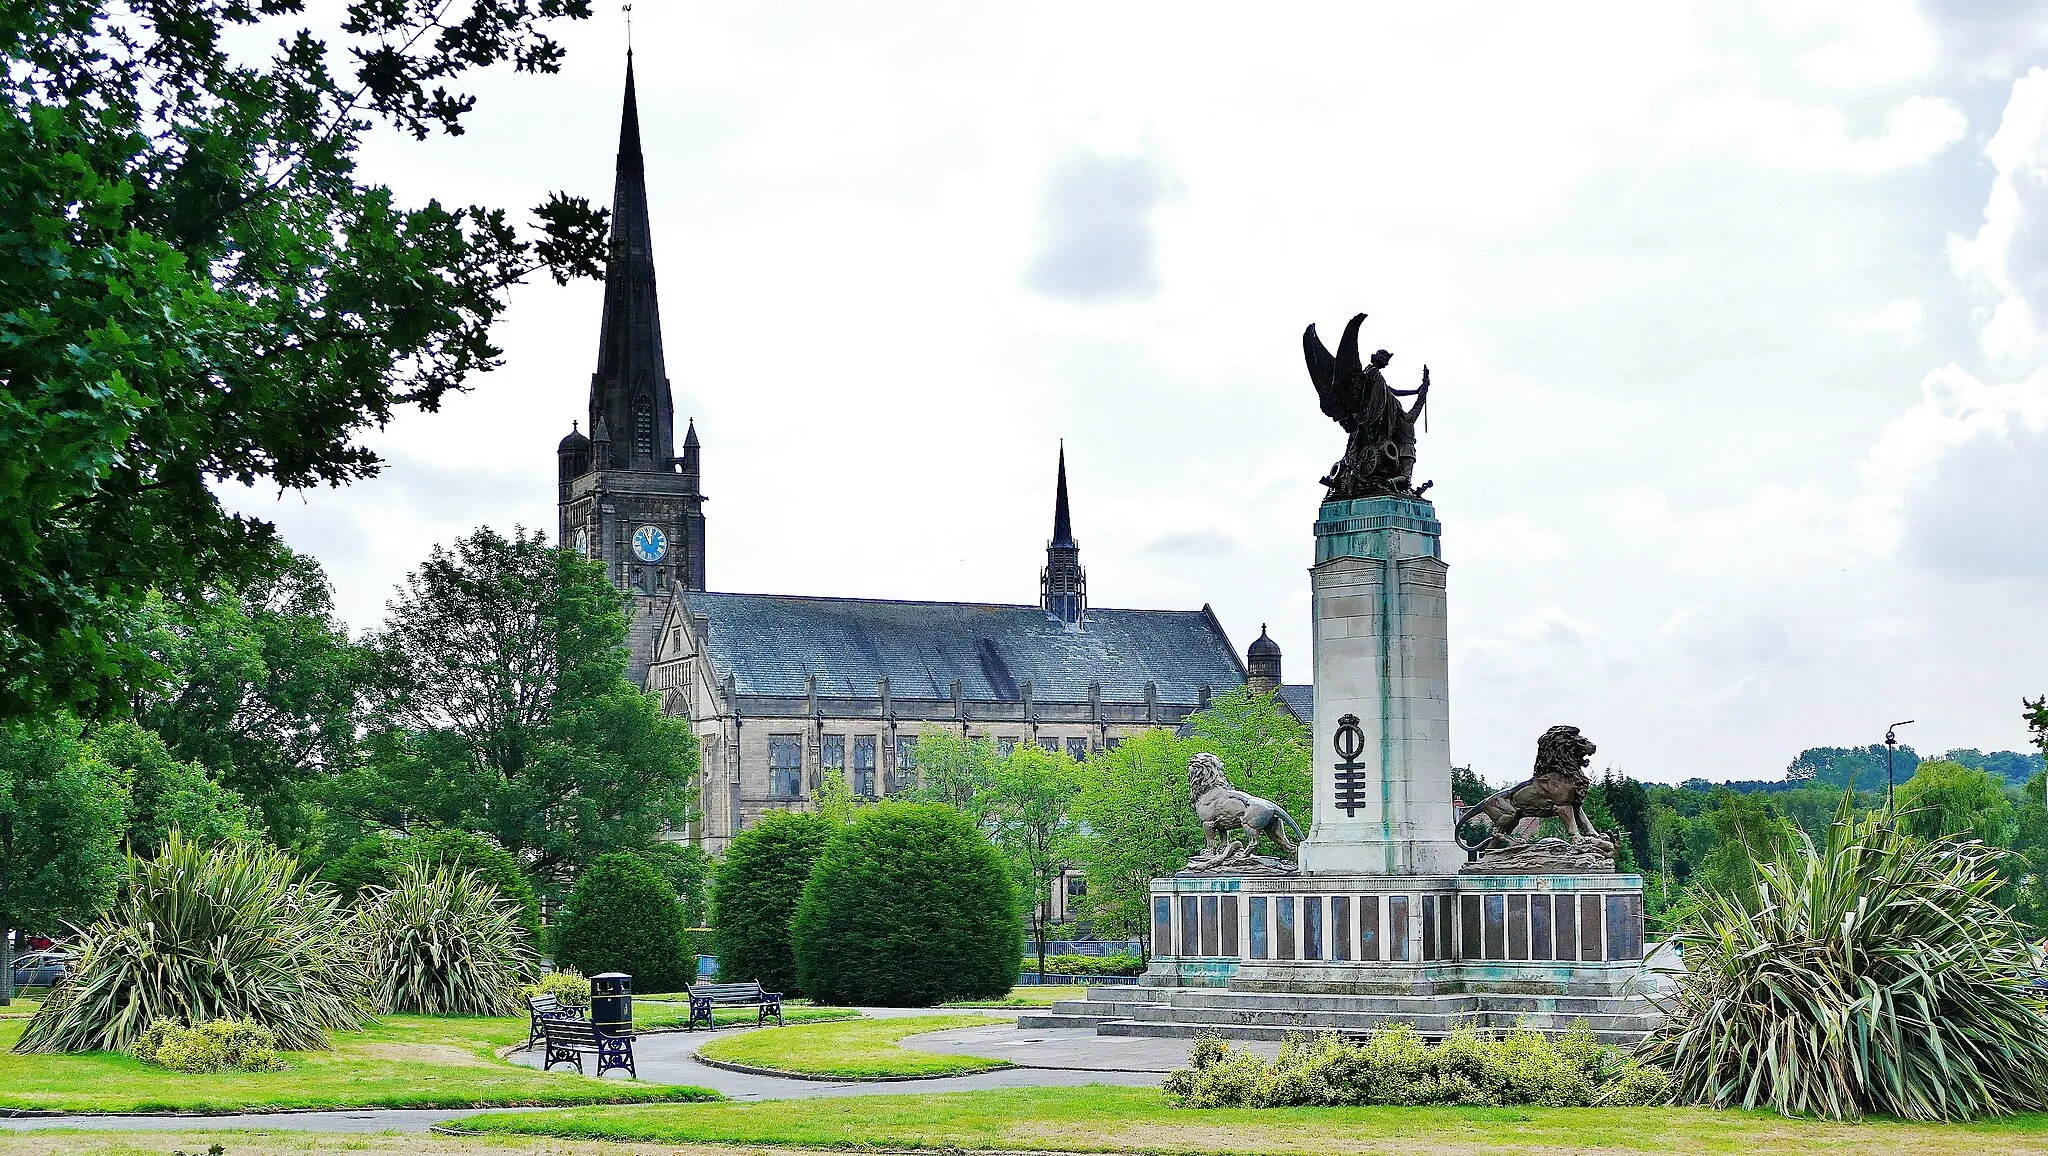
(1030, 995)
(860, 1049)
(397, 1062)
(1138, 1120)
(20, 1008)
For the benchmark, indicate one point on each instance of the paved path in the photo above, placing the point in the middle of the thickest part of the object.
(1048, 1057)
(1057, 1057)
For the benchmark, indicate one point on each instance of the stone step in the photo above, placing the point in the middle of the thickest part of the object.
(1171, 1030)
(1465, 1004)
(1365, 1021)
(1054, 1019)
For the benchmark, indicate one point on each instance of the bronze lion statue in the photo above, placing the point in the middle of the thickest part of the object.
(1557, 789)
(1224, 811)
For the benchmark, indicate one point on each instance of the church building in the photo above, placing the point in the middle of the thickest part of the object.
(784, 690)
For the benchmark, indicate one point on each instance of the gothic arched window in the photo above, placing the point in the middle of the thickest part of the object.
(643, 428)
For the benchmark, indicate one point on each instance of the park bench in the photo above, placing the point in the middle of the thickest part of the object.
(706, 996)
(546, 1007)
(567, 1040)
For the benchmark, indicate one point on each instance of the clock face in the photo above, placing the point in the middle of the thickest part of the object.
(650, 544)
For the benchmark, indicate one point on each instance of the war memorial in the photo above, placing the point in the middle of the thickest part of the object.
(1381, 914)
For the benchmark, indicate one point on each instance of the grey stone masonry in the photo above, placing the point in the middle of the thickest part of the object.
(1382, 660)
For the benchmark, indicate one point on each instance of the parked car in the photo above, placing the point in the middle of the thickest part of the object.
(41, 968)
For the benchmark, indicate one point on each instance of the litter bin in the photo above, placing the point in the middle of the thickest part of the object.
(611, 1003)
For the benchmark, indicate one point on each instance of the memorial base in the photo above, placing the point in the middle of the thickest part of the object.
(1553, 934)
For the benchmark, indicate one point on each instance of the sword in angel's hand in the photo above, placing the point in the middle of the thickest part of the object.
(1422, 403)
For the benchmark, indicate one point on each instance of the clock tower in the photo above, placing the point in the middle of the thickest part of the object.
(625, 498)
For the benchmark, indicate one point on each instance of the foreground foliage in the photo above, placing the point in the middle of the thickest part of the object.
(908, 906)
(213, 1046)
(398, 1061)
(1874, 973)
(441, 942)
(198, 934)
(1395, 1066)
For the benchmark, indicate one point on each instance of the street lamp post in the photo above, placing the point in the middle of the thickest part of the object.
(1891, 747)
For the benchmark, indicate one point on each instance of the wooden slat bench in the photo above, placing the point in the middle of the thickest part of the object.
(546, 1007)
(567, 1041)
(706, 996)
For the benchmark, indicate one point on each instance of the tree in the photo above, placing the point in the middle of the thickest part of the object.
(623, 916)
(687, 869)
(1629, 804)
(60, 827)
(1949, 800)
(909, 906)
(165, 794)
(259, 683)
(1265, 749)
(755, 892)
(1840, 766)
(954, 770)
(1725, 843)
(1027, 818)
(200, 290)
(1135, 825)
(503, 709)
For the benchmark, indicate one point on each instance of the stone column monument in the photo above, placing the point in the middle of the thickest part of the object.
(1381, 914)
(1382, 693)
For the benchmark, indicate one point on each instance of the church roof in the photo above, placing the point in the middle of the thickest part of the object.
(1300, 700)
(768, 643)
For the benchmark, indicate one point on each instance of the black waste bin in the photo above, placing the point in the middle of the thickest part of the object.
(611, 1003)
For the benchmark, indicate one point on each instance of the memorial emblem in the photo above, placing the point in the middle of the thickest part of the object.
(1350, 743)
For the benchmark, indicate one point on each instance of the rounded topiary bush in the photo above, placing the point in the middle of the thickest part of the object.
(754, 896)
(908, 906)
(623, 916)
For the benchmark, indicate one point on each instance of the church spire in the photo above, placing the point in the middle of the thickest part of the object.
(1063, 585)
(1062, 521)
(630, 391)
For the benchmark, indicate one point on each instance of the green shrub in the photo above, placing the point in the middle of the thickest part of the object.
(375, 860)
(687, 869)
(212, 1046)
(1088, 965)
(197, 934)
(1875, 973)
(908, 906)
(441, 942)
(622, 916)
(1395, 1066)
(491, 863)
(754, 896)
(569, 988)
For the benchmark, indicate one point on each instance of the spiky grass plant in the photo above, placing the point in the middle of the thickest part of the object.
(209, 933)
(1872, 974)
(442, 942)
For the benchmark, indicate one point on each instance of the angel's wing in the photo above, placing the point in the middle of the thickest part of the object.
(1322, 370)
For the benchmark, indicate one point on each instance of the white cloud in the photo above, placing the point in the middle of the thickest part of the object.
(1903, 320)
(2009, 254)
(1781, 133)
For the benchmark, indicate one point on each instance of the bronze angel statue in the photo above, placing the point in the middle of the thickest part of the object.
(1379, 458)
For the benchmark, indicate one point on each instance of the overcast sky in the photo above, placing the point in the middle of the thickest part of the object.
(1736, 316)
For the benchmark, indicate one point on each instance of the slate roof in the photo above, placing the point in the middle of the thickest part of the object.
(1301, 700)
(768, 643)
